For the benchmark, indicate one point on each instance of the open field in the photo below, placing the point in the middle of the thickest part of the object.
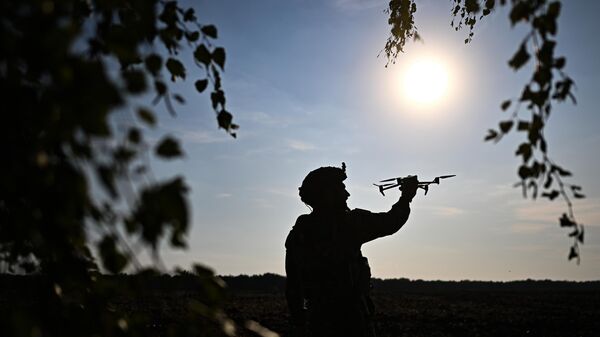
(457, 313)
(403, 308)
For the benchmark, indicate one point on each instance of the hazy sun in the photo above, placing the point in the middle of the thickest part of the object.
(425, 81)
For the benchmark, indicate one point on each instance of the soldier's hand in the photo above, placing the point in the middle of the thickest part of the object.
(409, 187)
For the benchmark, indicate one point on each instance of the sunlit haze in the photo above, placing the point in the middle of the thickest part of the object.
(425, 81)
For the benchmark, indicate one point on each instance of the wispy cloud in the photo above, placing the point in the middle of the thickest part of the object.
(536, 217)
(266, 119)
(502, 190)
(202, 136)
(443, 211)
(532, 248)
(223, 195)
(587, 211)
(288, 193)
(262, 203)
(449, 211)
(528, 227)
(541, 213)
(300, 145)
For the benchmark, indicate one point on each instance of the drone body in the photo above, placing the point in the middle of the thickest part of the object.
(398, 181)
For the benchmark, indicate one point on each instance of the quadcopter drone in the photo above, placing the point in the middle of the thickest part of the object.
(390, 183)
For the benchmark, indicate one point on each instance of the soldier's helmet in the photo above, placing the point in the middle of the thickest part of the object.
(318, 180)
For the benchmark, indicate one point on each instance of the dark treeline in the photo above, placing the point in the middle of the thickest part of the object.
(403, 284)
(276, 283)
(273, 283)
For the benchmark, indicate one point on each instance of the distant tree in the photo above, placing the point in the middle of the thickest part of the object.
(75, 185)
(549, 84)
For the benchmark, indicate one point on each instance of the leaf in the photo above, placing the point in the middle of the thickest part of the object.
(193, 36)
(505, 126)
(505, 105)
(525, 151)
(202, 55)
(160, 87)
(162, 207)
(135, 81)
(217, 98)
(153, 63)
(543, 76)
(559, 62)
(543, 145)
(552, 195)
(548, 181)
(562, 172)
(147, 116)
(113, 260)
(573, 253)
(565, 221)
(472, 6)
(169, 148)
(491, 135)
(218, 57)
(179, 98)
(580, 236)
(210, 31)
(554, 9)
(520, 11)
(189, 15)
(176, 69)
(201, 85)
(224, 118)
(524, 172)
(519, 58)
(578, 195)
(545, 54)
(563, 90)
(523, 126)
(134, 135)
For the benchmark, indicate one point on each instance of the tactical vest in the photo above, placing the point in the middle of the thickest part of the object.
(332, 263)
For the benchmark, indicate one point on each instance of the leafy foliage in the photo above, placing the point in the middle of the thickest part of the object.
(549, 84)
(75, 186)
(401, 18)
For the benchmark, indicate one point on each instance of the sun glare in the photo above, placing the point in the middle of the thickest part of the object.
(425, 81)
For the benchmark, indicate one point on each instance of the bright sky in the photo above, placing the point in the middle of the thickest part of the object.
(304, 82)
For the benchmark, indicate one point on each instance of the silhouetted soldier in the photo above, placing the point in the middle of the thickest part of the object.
(328, 279)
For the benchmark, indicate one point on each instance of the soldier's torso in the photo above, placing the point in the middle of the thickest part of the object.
(335, 277)
(332, 262)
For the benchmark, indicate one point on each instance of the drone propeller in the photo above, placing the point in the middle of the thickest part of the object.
(385, 185)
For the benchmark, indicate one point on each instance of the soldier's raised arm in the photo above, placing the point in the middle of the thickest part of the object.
(370, 226)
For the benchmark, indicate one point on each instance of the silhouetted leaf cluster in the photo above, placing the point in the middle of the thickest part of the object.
(401, 18)
(549, 84)
(464, 14)
(73, 176)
